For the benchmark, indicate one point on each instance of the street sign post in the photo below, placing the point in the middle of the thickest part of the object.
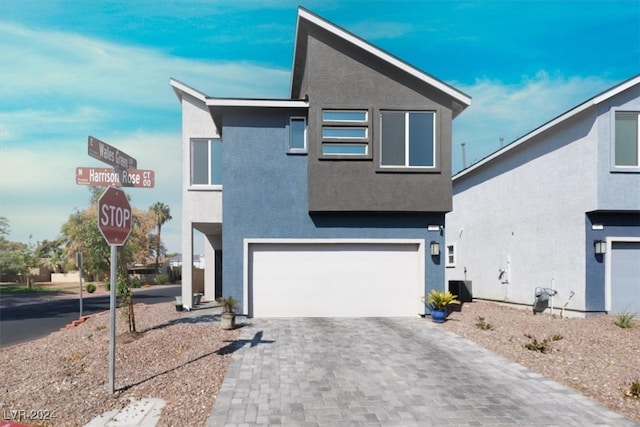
(138, 178)
(110, 155)
(114, 222)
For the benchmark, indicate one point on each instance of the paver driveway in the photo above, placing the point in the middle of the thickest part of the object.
(385, 372)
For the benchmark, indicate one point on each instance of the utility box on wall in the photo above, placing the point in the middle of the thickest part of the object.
(462, 288)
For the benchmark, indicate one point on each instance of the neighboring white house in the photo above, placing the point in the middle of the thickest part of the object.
(559, 207)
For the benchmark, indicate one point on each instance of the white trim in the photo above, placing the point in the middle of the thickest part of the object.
(269, 103)
(247, 242)
(567, 115)
(461, 97)
(607, 266)
(180, 88)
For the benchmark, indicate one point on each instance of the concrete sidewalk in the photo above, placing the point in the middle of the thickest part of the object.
(386, 372)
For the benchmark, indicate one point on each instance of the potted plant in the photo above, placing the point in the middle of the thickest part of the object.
(438, 302)
(228, 316)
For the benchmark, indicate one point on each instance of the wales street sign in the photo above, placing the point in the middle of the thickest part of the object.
(110, 155)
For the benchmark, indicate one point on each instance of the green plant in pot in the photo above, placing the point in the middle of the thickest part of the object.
(438, 302)
(228, 316)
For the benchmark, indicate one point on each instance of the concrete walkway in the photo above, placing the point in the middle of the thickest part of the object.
(386, 372)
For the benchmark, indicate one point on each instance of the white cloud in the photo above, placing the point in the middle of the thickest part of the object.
(512, 110)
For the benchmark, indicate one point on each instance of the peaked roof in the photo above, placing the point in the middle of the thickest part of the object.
(591, 102)
(307, 19)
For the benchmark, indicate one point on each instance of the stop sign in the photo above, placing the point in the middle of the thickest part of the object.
(114, 216)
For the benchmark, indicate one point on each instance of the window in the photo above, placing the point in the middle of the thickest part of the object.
(451, 256)
(407, 139)
(345, 133)
(298, 135)
(206, 162)
(627, 128)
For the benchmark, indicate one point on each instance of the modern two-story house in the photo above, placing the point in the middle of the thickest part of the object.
(559, 209)
(332, 201)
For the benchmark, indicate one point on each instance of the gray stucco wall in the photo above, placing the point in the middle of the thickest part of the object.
(265, 196)
(340, 76)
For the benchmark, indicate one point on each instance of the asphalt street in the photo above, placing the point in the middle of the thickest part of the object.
(25, 317)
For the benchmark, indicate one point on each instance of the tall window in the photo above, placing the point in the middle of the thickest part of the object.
(451, 256)
(627, 128)
(298, 135)
(407, 138)
(206, 162)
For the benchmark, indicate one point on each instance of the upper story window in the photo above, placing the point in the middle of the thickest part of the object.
(297, 135)
(345, 132)
(407, 139)
(206, 161)
(627, 128)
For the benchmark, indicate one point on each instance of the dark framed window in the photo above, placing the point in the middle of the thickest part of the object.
(407, 139)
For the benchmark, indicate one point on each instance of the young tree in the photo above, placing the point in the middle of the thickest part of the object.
(162, 215)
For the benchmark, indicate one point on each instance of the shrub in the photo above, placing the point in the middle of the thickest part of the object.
(633, 390)
(91, 288)
(624, 320)
(135, 283)
(161, 279)
(543, 346)
(481, 324)
(107, 286)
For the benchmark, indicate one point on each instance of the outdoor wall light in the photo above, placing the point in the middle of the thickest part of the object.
(600, 247)
(435, 248)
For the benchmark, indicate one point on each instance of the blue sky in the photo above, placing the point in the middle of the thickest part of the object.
(69, 69)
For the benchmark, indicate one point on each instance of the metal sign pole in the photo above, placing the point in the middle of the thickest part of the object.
(112, 332)
(79, 264)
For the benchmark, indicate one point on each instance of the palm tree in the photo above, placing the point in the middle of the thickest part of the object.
(162, 214)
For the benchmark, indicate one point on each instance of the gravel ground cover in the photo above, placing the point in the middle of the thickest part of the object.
(594, 357)
(62, 379)
(183, 361)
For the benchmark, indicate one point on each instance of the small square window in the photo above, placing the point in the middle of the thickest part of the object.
(451, 256)
(298, 135)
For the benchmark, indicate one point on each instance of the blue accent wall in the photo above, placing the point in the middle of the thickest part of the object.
(615, 224)
(265, 196)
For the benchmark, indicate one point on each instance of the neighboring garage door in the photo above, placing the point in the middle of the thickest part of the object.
(335, 279)
(625, 277)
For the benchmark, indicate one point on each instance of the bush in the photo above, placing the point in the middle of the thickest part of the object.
(91, 288)
(135, 283)
(482, 324)
(107, 286)
(161, 279)
(543, 346)
(624, 320)
(634, 390)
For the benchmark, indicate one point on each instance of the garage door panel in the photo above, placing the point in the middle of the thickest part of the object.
(625, 277)
(346, 280)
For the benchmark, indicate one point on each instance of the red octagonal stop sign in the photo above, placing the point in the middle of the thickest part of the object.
(114, 216)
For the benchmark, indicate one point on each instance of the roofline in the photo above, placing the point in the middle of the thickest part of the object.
(180, 88)
(368, 47)
(263, 103)
(591, 102)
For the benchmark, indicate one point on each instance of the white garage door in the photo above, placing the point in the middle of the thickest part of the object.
(625, 277)
(335, 279)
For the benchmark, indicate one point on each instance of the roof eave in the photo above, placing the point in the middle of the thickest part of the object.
(591, 102)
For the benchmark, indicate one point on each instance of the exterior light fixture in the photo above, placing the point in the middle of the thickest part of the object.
(435, 248)
(600, 247)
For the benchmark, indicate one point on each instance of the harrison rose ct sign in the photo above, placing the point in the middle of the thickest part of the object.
(114, 216)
